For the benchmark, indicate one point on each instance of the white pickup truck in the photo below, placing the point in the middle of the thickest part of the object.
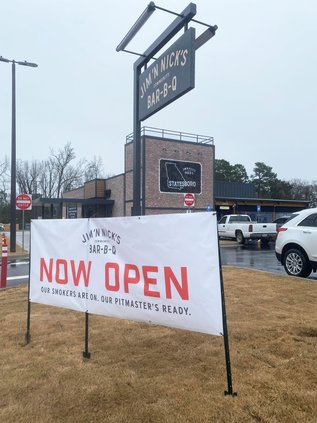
(241, 228)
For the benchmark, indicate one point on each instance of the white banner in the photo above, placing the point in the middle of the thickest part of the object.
(160, 269)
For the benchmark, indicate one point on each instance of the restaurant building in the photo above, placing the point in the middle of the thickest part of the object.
(173, 164)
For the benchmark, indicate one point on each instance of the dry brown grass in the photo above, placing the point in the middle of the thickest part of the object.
(141, 373)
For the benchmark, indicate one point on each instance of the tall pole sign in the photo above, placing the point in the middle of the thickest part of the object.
(169, 77)
(152, 105)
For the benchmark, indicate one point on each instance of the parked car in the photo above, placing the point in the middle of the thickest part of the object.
(241, 228)
(1, 227)
(296, 243)
(281, 220)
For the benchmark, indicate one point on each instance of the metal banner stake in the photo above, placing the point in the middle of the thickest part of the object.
(28, 320)
(225, 331)
(86, 353)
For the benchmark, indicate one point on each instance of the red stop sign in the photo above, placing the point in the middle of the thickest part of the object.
(189, 200)
(23, 202)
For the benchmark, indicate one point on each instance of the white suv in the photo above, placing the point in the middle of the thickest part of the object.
(296, 243)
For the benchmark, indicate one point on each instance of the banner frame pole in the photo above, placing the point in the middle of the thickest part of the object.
(86, 353)
(28, 319)
(230, 390)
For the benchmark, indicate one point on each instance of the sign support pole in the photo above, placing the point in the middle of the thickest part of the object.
(23, 230)
(136, 209)
(229, 391)
(86, 353)
(28, 320)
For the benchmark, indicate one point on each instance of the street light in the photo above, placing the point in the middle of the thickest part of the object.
(13, 152)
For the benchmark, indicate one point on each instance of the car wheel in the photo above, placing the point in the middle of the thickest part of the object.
(296, 264)
(239, 237)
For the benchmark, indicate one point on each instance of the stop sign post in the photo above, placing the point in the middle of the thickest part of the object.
(23, 202)
(189, 200)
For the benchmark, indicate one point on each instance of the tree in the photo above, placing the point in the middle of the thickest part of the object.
(313, 194)
(224, 171)
(65, 175)
(28, 175)
(239, 173)
(4, 177)
(46, 181)
(301, 190)
(263, 179)
(4, 196)
(59, 173)
(93, 169)
(281, 189)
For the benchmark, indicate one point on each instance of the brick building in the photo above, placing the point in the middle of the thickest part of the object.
(173, 164)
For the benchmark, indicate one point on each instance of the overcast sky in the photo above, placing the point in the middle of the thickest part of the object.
(256, 80)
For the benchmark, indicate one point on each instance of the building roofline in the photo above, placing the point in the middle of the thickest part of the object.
(168, 134)
(41, 201)
(261, 199)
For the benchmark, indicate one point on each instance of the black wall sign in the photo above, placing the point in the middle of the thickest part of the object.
(180, 177)
(169, 77)
(72, 212)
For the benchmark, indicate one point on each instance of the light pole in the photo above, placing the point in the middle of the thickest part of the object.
(13, 152)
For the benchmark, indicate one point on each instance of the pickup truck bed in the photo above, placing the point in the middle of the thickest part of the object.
(241, 228)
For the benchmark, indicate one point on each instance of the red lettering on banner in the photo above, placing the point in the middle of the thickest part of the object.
(181, 289)
(60, 272)
(48, 272)
(115, 268)
(131, 275)
(80, 272)
(130, 279)
(150, 281)
(61, 268)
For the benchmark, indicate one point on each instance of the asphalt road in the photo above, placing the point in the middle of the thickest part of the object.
(18, 272)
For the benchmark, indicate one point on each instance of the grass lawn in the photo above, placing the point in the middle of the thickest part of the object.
(143, 373)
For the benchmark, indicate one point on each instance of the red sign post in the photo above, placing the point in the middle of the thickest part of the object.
(189, 200)
(23, 202)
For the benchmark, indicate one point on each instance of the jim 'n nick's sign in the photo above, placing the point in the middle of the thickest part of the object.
(169, 77)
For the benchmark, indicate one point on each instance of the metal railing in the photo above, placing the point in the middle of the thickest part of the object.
(172, 135)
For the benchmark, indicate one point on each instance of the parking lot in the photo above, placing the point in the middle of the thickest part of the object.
(252, 256)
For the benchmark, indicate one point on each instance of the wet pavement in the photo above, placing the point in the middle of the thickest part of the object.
(252, 256)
